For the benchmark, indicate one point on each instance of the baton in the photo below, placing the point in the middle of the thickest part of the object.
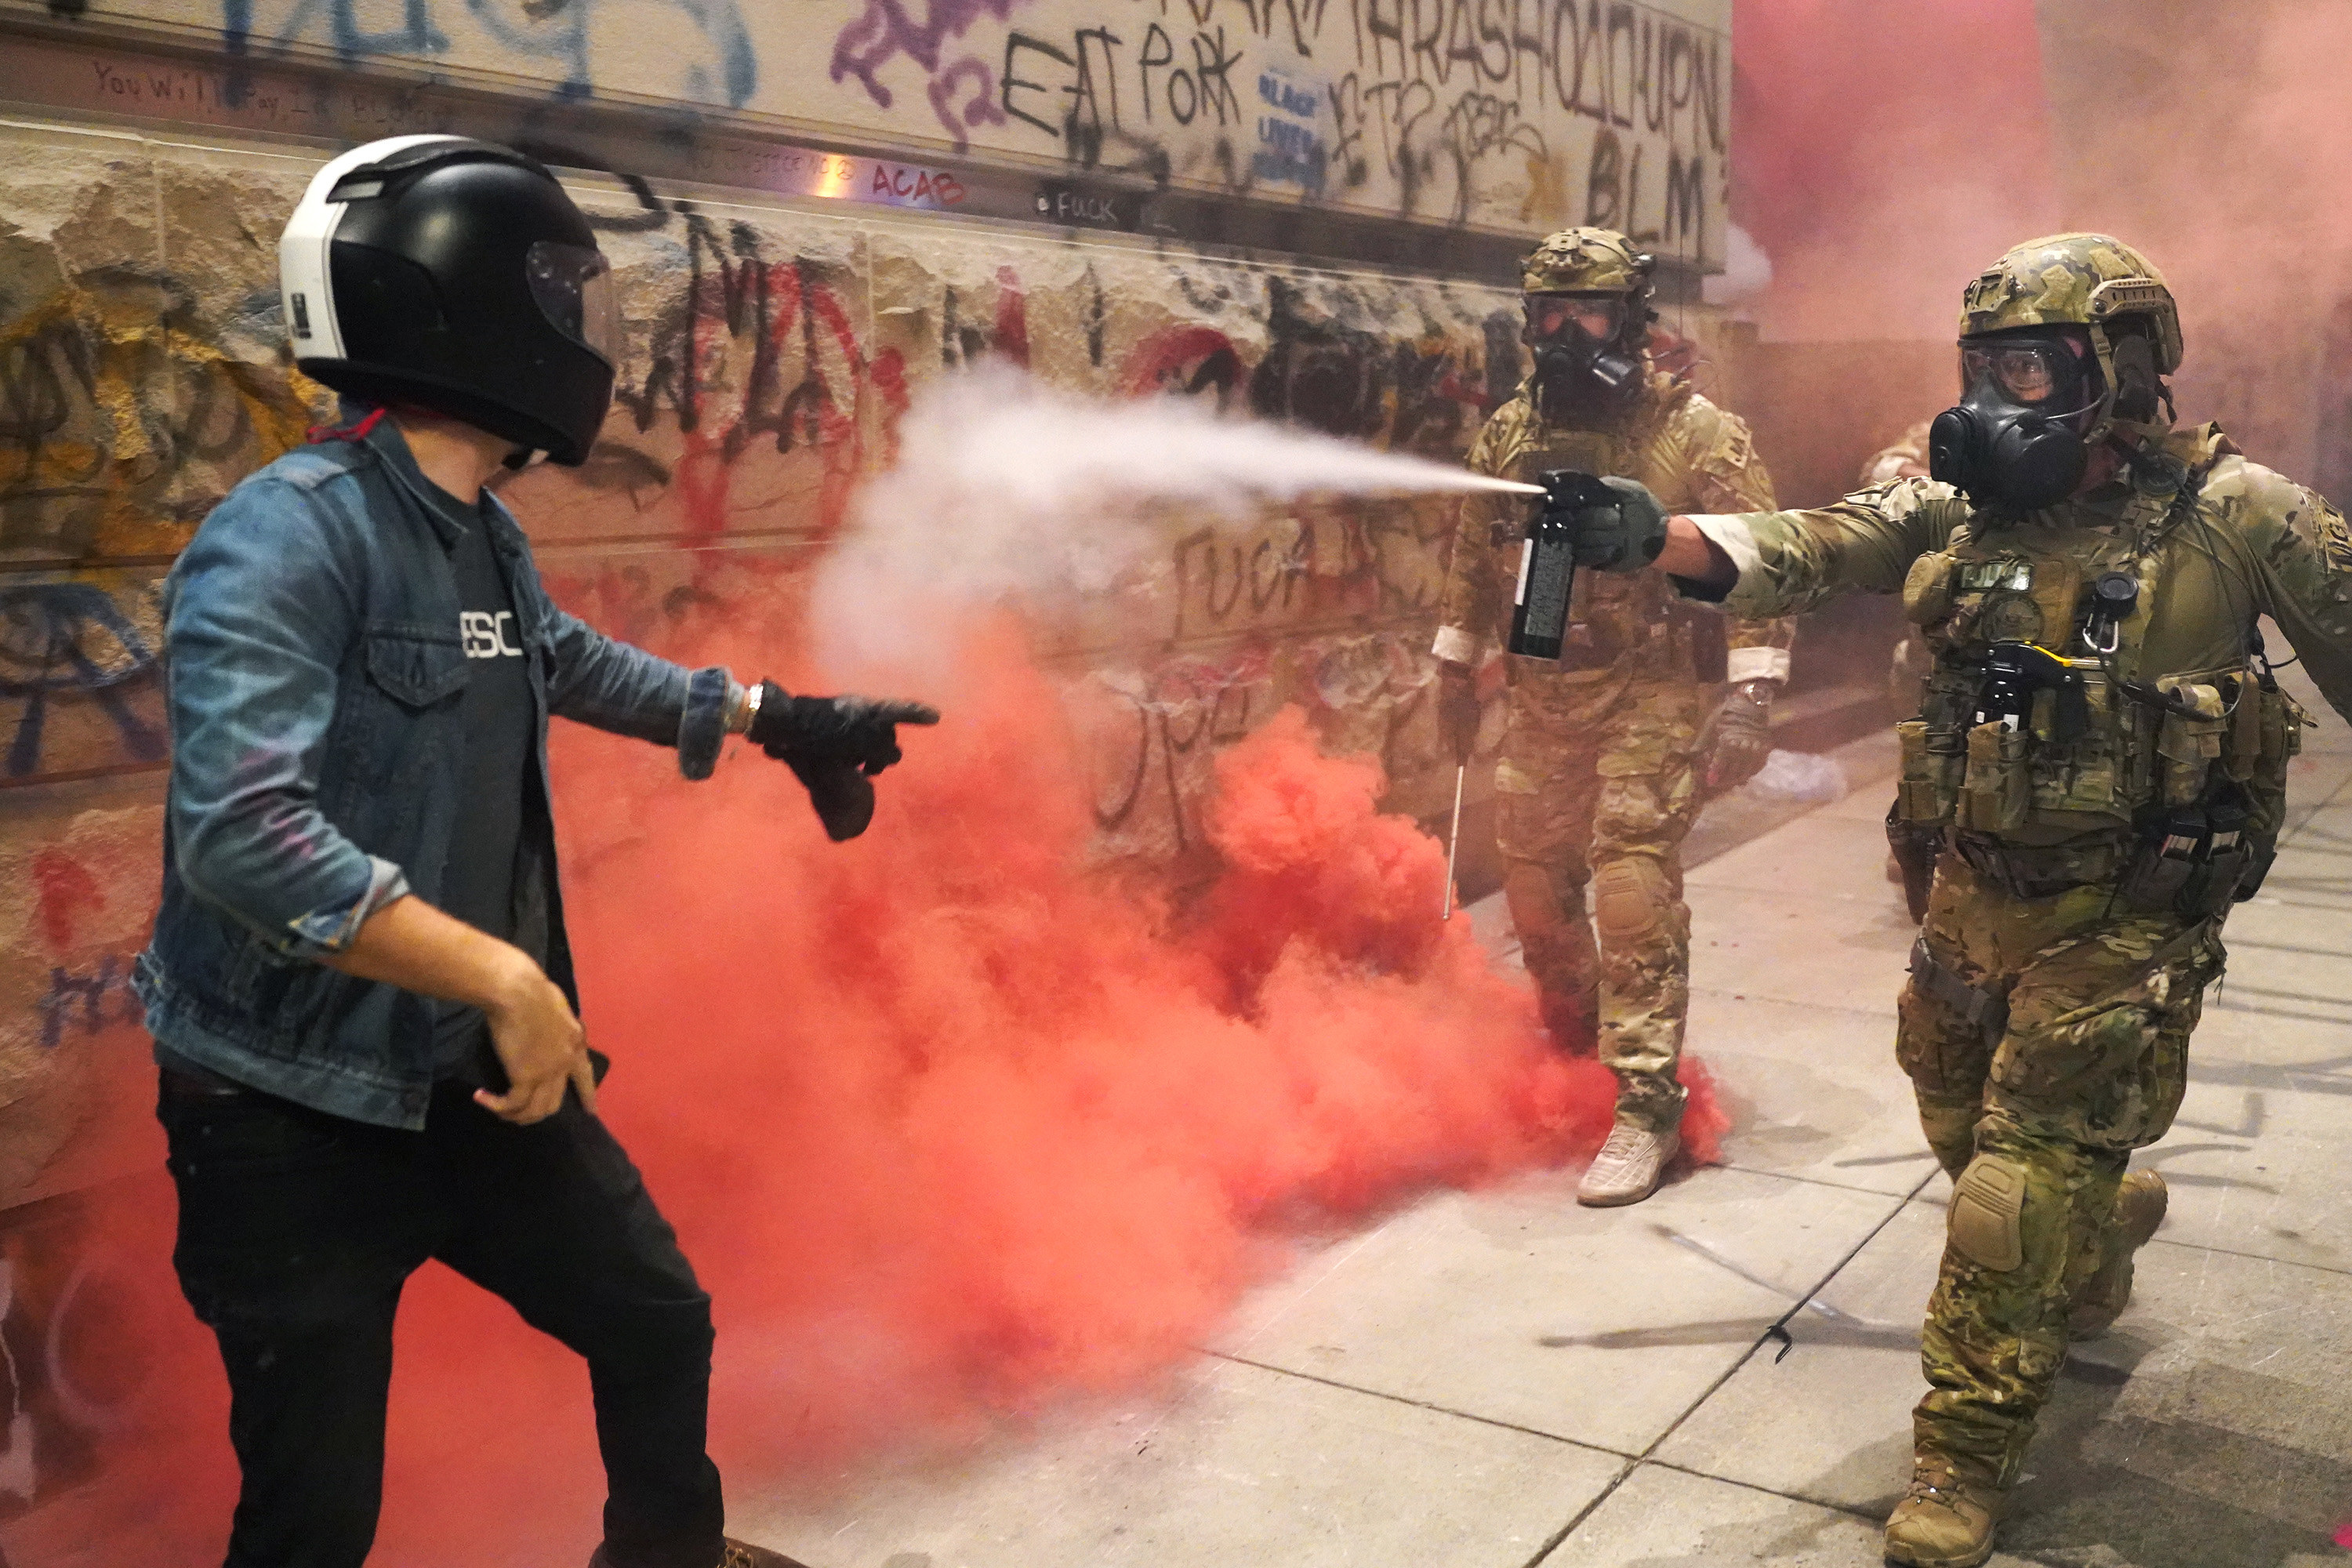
(1454, 840)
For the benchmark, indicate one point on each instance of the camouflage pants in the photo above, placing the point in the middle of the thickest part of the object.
(2035, 1129)
(1596, 786)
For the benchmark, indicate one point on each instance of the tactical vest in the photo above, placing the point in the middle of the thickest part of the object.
(2141, 731)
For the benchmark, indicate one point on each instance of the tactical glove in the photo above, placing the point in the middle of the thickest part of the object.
(1737, 737)
(834, 747)
(1457, 707)
(1623, 536)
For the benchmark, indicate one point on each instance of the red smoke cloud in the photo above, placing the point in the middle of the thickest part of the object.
(1033, 1129)
(952, 1126)
(1883, 155)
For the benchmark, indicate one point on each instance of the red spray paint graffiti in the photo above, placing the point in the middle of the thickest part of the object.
(66, 892)
(1182, 359)
(751, 350)
(1012, 336)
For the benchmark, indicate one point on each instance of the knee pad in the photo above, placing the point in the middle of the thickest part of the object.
(1988, 1212)
(1538, 902)
(1630, 900)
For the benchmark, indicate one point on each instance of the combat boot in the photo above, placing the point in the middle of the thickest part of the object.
(1628, 1167)
(744, 1554)
(2139, 1208)
(1947, 1516)
(732, 1554)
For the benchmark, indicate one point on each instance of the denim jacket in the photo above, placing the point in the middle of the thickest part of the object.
(314, 675)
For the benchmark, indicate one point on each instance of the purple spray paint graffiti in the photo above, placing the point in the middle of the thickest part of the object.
(884, 31)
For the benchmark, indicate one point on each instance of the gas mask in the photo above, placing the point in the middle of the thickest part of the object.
(1585, 364)
(2015, 440)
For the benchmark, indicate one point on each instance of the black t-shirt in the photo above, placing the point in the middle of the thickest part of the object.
(478, 885)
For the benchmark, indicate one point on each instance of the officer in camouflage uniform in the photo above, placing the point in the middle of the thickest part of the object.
(2105, 750)
(1610, 751)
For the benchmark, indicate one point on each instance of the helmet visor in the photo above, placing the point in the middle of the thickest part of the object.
(574, 287)
(2027, 373)
(1596, 316)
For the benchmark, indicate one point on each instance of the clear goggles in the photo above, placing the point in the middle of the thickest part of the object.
(1598, 317)
(2026, 371)
(574, 287)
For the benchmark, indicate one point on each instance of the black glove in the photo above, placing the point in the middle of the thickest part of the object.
(1737, 737)
(1622, 536)
(833, 746)
(1458, 709)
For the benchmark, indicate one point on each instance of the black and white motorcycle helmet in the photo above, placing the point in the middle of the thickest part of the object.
(456, 275)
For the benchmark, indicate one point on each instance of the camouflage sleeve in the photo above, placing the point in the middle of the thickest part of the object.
(2301, 549)
(1791, 561)
(1469, 609)
(1727, 476)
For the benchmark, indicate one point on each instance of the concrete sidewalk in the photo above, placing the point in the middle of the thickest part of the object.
(1725, 1373)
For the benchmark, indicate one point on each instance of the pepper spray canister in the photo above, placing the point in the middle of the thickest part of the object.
(1547, 562)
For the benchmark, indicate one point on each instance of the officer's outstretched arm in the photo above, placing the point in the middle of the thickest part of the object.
(1727, 476)
(1766, 564)
(1702, 565)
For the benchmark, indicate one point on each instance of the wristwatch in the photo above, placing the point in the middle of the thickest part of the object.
(743, 707)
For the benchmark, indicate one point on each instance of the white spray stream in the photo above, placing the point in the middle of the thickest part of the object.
(1007, 488)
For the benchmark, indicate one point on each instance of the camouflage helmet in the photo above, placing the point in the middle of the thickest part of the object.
(1585, 261)
(2073, 279)
(2093, 282)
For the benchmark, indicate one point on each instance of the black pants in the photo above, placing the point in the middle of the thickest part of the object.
(297, 1232)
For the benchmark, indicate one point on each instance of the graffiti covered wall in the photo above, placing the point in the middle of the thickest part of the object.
(770, 352)
(1502, 113)
(138, 383)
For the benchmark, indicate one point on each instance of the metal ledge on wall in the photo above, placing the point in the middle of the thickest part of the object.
(162, 79)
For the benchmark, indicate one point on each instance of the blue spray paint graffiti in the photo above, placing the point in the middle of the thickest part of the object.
(71, 639)
(416, 35)
(91, 992)
(554, 30)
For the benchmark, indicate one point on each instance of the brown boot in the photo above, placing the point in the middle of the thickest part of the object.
(2101, 1299)
(1946, 1517)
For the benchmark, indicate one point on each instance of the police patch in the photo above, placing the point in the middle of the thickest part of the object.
(2336, 540)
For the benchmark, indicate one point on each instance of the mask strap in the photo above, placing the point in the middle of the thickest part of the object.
(2077, 412)
(359, 432)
